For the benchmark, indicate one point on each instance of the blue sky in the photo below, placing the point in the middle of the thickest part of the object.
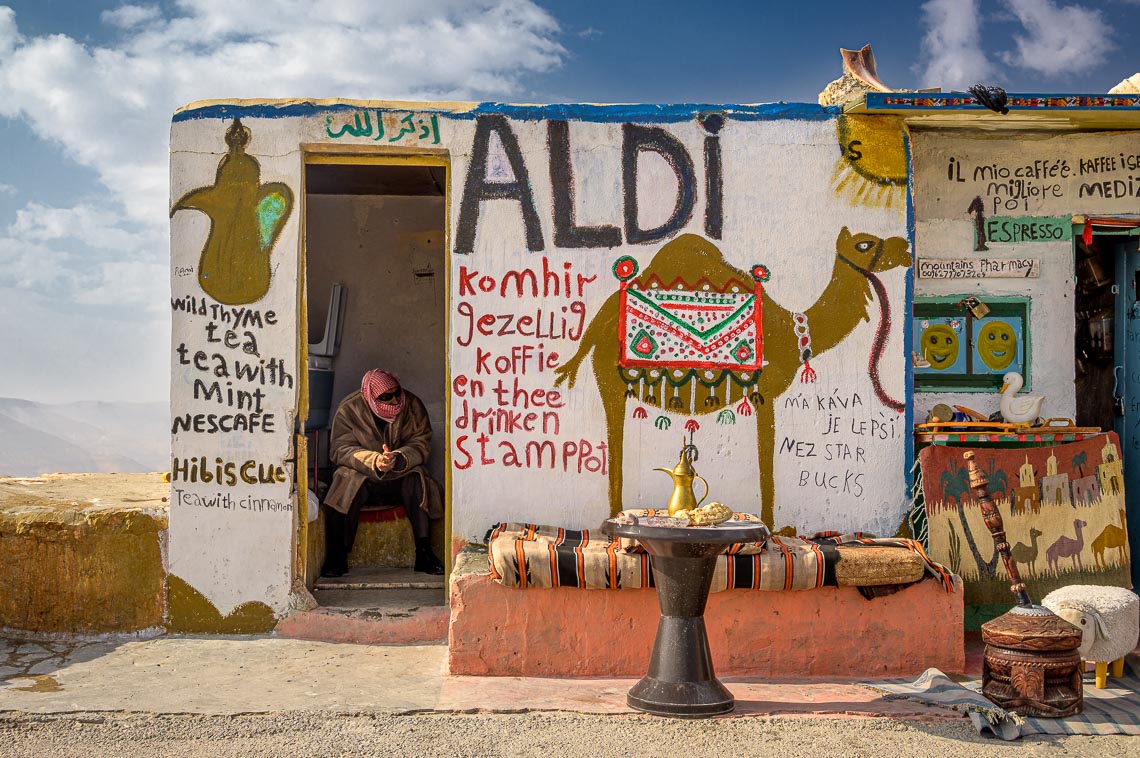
(87, 89)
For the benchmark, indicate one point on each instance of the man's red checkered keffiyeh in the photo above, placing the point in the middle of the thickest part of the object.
(378, 382)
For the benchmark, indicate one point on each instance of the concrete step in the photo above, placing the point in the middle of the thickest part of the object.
(380, 578)
(398, 601)
(374, 607)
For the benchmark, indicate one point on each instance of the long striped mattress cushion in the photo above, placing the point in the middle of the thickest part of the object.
(532, 556)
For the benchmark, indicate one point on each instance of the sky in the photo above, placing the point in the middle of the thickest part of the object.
(87, 89)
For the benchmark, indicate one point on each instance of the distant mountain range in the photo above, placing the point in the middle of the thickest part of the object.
(83, 437)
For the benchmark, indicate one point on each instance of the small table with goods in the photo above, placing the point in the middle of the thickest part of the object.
(681, 681)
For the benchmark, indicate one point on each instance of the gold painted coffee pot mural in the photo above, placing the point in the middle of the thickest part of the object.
(246, 218)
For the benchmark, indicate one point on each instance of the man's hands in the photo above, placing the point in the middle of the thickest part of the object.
(386, 460)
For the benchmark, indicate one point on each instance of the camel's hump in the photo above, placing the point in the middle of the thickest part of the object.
(691, 256)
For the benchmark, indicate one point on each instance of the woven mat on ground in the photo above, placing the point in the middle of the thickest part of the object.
(1113, 710)
(535, 556)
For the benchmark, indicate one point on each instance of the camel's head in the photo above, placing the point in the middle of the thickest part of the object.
(872, 254)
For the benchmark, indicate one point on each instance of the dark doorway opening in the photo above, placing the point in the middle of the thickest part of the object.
(375, 260)
(1095, 310)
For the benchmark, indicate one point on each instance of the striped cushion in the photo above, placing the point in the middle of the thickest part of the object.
(534, 556)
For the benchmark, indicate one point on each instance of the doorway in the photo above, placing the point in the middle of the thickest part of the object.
(1107, 309)
(376, 275)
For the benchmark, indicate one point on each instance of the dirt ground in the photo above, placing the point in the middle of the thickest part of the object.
(78, 490)
(531, 734)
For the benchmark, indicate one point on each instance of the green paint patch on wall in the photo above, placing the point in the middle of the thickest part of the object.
(192, 613)
(272, 208)
(1019, 229)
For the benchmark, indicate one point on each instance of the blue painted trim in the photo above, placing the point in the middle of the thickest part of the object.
(608, 114)
(908, 336)
(655, 114)
(942, 101)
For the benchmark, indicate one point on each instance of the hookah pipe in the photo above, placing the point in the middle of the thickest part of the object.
(979, 484)
(1031, 664)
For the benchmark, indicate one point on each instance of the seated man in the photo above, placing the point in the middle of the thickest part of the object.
(380, 440)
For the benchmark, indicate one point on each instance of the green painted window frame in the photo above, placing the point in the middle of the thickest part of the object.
(948, 307)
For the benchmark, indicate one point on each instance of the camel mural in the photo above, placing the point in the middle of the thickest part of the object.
(690, 260)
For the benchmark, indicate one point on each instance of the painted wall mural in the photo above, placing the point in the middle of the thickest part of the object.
(234, 384)
(246, 217)
(670, 319)
(629, 339)
(873, 167)
(1030, 187)
(1063, 510)
(993, 219)
(421, 128)
(595, 252)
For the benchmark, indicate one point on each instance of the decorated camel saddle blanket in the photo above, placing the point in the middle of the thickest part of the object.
(532, 556)
(690, 325)
(1062, 507)
(682, 331)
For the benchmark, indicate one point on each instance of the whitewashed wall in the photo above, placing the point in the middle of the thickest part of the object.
(1059, 174)
(780, 208)
(231, 540)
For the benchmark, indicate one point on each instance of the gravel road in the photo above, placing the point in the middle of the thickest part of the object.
(533, 734)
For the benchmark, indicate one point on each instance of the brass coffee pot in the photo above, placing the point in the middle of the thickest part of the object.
(683, 474)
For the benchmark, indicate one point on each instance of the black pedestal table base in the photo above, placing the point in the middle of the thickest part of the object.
(681, 681)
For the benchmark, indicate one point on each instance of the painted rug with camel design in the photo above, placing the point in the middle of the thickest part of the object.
(1063, 510)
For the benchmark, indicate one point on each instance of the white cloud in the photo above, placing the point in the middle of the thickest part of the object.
(128, 16)
(109, 108)
(80, 256)
(9, 34)
(1071, 39)
(952, 54)
(93, 226)
(8, 189)
(36, 267)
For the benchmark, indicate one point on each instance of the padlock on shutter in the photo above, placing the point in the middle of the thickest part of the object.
(977, 307)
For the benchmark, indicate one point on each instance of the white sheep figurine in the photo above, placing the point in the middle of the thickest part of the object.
(1109, 620)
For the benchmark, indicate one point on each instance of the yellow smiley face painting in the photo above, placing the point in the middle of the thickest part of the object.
(940, 346)
(997, 345)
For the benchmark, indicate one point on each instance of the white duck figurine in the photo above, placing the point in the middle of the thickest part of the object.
(1018, 410)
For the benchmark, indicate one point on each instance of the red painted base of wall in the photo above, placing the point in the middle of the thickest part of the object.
(826, 632)
(424, 626)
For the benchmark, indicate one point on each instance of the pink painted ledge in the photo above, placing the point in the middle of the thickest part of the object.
(829, 632)
(425, 625)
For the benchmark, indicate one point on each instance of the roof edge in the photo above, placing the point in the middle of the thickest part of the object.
(596, 112)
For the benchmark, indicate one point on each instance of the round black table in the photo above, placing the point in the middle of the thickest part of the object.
(681, 682)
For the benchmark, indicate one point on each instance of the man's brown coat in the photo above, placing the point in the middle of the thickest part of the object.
(356, 444)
